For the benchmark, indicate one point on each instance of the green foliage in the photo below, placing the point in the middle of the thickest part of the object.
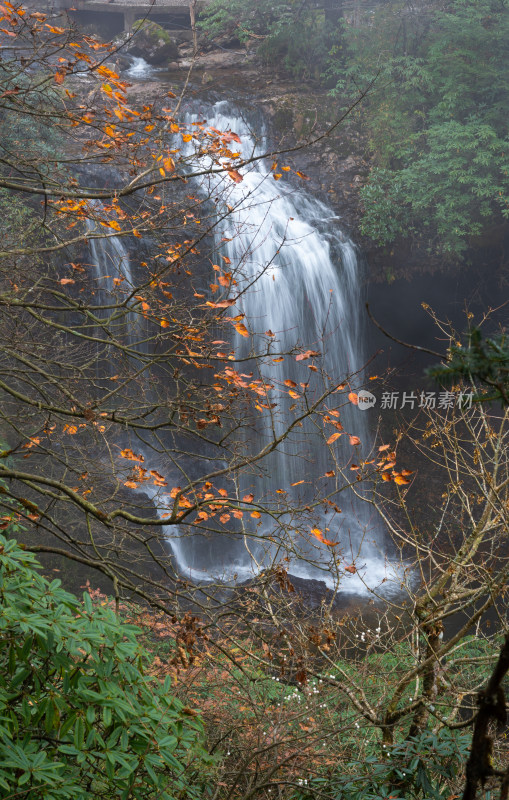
(420, 767)
(149, 31)
(482, 360)
(291, 34)
(236, 18)
(34, 127)
(78, 717)
(436, 119)
(20, 223)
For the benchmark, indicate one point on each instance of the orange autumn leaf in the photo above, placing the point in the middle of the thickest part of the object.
(351, 569)
(256, 514)
(230, 136)
(164, 323)
(235, 175)
(159, 480)
(293, 394)
(248, 498)
(321, 538)
(330, 474)
(131, 484)
(128, 453)
(291, 384)
(386, 476)
(297, 483)
(383, 447)
(307, 354)
(333, 438)
(222, 304)
(353, 397)
(65, 281)
(302, 175)
(401, 480)
(354, 440)
(241, 328)
(59, 76)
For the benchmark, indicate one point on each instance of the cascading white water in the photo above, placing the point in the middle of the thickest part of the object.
(111, 266)
(139, 69)
(110, 261)
(300, 279)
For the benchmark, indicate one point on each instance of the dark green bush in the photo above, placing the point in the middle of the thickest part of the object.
(423, 768)
(79, 719)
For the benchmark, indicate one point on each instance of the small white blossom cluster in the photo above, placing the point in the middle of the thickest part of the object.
(302, 781)
(376, 633)
(314, 687)
(295, 695)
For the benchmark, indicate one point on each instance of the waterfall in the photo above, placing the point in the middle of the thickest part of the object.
(112, 271)
(110, 261)
(300, 280)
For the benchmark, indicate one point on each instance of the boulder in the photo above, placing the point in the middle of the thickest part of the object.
(151, 42)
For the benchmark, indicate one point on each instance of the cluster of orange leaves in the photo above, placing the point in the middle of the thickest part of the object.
(206, 500)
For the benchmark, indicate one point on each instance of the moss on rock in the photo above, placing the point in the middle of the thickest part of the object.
(153, 43)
